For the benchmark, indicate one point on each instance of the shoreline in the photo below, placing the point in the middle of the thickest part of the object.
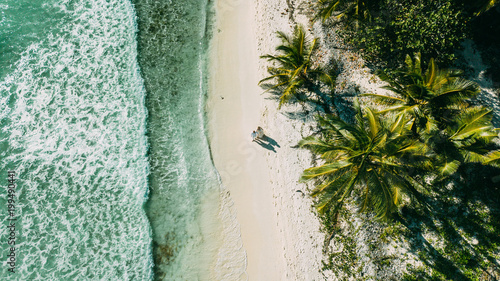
(280, 233)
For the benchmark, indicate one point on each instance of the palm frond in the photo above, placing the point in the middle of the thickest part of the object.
(431, 73)
(475, 121)
(322, 170)
(457, 90)
(493, 158)
(373, 123)
(385, 100)
(293, 70)
(326, 8)
(365, 155)
(448, 168)
(425, 96)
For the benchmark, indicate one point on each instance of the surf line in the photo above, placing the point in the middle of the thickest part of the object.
(11, 220)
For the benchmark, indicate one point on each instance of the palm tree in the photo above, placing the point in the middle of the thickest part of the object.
(372, 156)
(357, 10)
(295, 69)
(431, 98)
(481, 6)
(468, 139)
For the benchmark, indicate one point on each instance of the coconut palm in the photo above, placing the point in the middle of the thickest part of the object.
(468, 139)
(373, 156)
(431, 98)
(294, 71)
(481, 6)
(343, 9)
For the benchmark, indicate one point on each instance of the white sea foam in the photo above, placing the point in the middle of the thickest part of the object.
(74, 130)
(73, 127)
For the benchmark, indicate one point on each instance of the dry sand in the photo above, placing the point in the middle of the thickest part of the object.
(279, 231)
(234, 111)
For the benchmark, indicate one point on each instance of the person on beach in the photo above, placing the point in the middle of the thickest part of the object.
(254, 136)
(260, 132)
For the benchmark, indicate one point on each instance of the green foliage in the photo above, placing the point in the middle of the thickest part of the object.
(370, 156)
(430, 98)
(436, 103)
(347, 10)
(344, 263)
(434, 28)
(294, 69)
(428, 130)
(468, 139)
(466, 234)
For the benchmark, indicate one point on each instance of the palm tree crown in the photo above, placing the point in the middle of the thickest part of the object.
(431, 98)
(372, 155)
(468, 139)
(294, 68)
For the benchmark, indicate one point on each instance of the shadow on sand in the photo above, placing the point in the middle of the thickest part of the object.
(267, 143)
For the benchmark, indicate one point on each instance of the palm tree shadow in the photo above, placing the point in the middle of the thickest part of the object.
(427, 253)
(304, 115)
(275, 93)
(321, 102)
(468, 232)
(268, 143)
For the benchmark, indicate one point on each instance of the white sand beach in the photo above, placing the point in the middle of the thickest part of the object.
(279, 231)
(234, 111)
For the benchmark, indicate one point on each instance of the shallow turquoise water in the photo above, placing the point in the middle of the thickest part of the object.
(173, 43)
(102, 118)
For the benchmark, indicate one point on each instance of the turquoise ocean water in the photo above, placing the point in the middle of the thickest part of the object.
(102, 119)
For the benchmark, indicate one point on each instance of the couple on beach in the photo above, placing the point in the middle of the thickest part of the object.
(258, 134)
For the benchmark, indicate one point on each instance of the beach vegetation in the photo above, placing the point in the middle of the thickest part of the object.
(294, 72)
(461, 222)
(346, 10)
(423, 157)
(466, 139)
(431, 98)
(437, 102)
(372, 157)
(345, 263)
(434, 28)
